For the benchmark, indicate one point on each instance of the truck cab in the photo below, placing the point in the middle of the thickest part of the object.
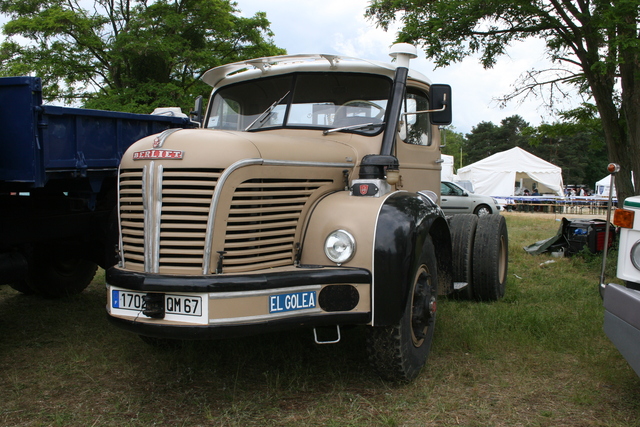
(308, 198)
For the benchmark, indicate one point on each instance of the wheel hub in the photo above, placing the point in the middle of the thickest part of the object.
(423, 307)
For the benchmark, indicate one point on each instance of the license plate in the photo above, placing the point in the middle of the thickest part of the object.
(173, 304)
(292, 301)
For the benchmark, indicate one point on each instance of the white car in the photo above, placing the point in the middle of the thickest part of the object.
(456, 200)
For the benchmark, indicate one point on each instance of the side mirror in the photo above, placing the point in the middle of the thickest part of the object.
(196, 114)
(440, 104)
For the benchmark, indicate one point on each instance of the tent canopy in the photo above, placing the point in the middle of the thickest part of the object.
(603, 187)
(498, 174)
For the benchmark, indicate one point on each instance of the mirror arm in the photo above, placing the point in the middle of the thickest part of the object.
(426, 111)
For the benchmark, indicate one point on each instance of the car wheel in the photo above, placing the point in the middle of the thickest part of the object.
(483, 210)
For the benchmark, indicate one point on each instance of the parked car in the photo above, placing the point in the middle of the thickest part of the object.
(455, 200)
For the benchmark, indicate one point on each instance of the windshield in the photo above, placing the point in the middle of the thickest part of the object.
(303, 100)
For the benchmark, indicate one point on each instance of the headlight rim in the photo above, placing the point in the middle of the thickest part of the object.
(338, 260)
(635, 247)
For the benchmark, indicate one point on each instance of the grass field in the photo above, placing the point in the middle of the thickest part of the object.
(537, 358)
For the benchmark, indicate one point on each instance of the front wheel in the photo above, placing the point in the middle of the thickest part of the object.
(397, 353)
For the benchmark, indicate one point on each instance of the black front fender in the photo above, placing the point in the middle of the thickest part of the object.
(406, 220)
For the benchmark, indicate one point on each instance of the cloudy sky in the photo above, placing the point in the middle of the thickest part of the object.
(339, 27)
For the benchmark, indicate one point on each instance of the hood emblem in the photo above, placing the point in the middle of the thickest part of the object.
(158, 154)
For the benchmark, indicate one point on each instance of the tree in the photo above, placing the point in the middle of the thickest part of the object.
(454, 143)
(594, 43)
(576, 145)
(487, 139)
(127, 55)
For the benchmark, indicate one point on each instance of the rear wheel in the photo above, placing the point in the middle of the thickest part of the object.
(59, 271)
(397, 353)
(490, 258)
(463, 232)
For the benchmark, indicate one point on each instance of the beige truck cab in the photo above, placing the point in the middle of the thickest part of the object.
(307, 198)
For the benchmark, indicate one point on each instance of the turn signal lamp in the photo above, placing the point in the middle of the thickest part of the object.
(623, 218)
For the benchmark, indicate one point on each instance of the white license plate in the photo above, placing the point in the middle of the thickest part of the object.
(173, 304)
(292, 301)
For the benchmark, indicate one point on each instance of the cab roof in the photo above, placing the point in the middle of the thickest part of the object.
(285, 64)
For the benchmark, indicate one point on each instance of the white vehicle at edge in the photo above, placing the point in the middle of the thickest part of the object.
(622, 304)
(456, 200)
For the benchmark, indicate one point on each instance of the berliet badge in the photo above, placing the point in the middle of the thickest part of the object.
(158, 154)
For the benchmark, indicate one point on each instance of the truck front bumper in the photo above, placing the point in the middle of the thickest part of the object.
(219, 306)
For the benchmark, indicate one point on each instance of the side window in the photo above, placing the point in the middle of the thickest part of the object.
(415, 128)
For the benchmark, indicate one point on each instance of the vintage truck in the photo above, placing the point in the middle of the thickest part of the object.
(58, 168)
(308, 198)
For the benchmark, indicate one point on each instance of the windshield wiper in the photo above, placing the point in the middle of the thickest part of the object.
(352, 127)
(266, 113)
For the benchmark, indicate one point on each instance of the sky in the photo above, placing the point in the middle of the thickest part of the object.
(339, 27)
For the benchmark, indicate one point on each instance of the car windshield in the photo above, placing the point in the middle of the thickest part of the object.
(303, 100)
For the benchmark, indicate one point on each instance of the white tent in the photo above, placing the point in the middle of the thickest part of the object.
(602, 187)
(499, 174)
(447, 168)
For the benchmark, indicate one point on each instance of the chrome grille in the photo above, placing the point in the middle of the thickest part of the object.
(186, 201)
(132, 217)
(262, 222)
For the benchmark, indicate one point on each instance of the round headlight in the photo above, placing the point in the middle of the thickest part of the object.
(340, 246)
(635, 255)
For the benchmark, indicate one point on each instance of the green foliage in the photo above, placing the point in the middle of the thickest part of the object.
(577, 145)
(487, 139)
(124, 55)
(454, 145)
(594, 45)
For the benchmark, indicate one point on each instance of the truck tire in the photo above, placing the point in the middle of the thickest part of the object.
(58, 273)
(23, 287)
(463, 233)
(490, 258)
(397, 353)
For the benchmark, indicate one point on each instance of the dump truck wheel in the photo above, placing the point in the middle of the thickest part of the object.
(23, 287)
(463, 233)
(397, 353)
(57, 273)
(490, 258)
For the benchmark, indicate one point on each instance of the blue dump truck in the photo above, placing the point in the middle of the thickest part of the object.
(58, 191)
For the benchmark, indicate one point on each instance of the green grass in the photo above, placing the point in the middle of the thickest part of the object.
(536, 358)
